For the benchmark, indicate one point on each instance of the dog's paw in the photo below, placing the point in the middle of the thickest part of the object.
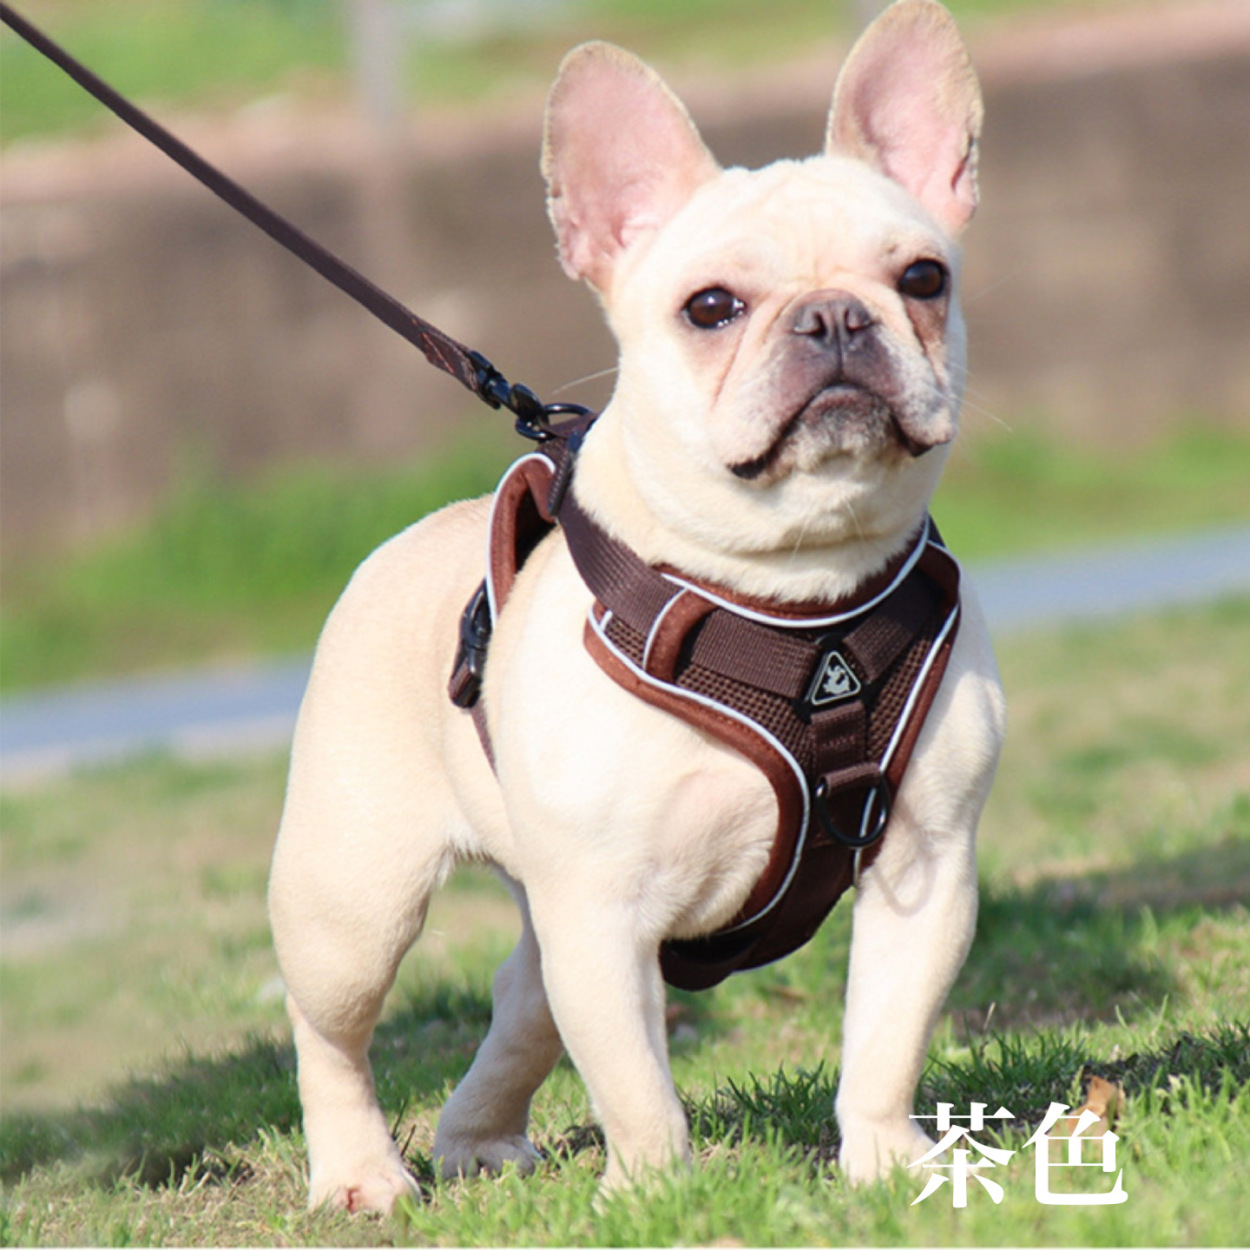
(870, 1154)
(376, 1189)
(467, 1156)
(617, 1179)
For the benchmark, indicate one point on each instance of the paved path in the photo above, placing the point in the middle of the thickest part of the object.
(242, 709)
(1104, 582)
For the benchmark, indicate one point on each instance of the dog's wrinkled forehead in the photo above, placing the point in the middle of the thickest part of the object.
(791, 227)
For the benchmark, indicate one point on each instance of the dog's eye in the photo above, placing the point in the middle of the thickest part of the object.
(926, 279)
(713, 308)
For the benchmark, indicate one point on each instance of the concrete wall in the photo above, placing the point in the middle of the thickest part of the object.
(148, 332)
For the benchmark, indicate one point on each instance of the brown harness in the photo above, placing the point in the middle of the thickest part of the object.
(826, 699)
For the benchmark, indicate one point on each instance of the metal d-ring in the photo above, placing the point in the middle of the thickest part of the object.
(878, 796)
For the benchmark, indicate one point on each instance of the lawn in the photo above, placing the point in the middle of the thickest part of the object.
(148, 1087)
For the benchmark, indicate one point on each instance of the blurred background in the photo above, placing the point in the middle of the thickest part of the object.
(200, 437)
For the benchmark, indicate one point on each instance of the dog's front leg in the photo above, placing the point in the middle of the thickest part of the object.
(914, 920)
(603, 980)
(916, 911)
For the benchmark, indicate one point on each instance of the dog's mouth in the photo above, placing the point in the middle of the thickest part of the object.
(847, 404)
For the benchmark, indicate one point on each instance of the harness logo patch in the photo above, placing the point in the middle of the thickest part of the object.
(834, 682)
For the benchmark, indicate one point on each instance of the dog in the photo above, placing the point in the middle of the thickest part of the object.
(791, 360)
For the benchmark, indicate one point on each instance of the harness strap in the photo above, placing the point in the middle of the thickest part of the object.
(526, 505)
(652, 602)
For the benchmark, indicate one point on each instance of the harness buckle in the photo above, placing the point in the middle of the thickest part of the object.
(475, 632)
(531, 415)
(872, 823)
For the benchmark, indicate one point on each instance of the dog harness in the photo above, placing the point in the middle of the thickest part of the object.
(827, 699)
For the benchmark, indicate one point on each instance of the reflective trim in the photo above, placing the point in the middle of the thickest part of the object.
(909, 707)
(810, 622)
(655, 626)
(490, 527)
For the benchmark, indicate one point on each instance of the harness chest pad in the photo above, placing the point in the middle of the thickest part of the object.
(826, 699)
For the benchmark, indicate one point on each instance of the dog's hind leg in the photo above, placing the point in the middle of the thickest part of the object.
(353, 1160)
(339, 961)
(483, 1125)
(370, 829)
(347, 901)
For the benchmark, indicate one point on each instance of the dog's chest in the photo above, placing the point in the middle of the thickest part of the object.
(827, 703)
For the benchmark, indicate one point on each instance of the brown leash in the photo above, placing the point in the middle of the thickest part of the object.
(470, 368)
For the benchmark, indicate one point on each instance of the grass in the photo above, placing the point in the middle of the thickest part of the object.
(223, 571)
(237, 571)
(148, 1085)
(222, 54)
(169, 54)
(1008, 492)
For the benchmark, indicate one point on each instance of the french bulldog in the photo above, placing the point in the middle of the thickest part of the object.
(790, 375)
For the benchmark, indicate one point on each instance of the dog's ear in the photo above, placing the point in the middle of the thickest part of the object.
(620, 156)
(907, 102)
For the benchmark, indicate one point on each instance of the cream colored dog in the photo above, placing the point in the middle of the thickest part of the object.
(730, 452)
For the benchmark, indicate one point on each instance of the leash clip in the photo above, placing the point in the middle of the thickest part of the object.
(533, 417)
(495, 390)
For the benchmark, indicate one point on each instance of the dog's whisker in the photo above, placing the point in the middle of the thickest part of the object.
(969, 401)
(990, 415)
(967, 386)
(798, 543)
(1002, 280)
(590, 377)
(984, 410)
(859, 529)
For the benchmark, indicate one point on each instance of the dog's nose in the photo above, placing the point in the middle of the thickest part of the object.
(833, 317)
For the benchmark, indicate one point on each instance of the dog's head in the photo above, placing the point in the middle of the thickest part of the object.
(792, 350)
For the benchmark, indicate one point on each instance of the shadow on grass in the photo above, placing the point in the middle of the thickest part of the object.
(1085, 947)
(160, 1129)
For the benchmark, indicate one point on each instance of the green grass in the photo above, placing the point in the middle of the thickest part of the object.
(223, 571)
(221, 54)
(237, 571)
(148, 1088)
(172, 54)
(1006, 492)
